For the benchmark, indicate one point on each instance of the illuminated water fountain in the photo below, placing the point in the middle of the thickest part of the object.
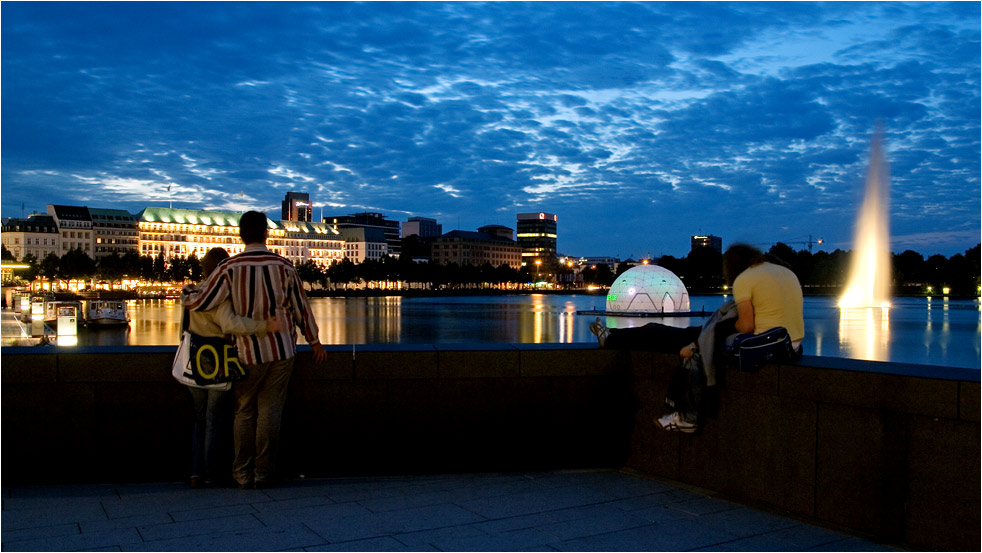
(864, 319)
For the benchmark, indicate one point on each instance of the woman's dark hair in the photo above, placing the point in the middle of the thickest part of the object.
(738, 258)
(252, 227)
(211, 260)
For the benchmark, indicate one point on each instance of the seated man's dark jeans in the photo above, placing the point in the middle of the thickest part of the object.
(652, 337)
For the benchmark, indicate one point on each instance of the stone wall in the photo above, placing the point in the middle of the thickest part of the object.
(883, 448)
(97, 413)
(887, 449)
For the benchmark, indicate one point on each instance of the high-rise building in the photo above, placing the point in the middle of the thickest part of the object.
(714, 242)
(537, 237)
(296, 207)
(423, 227)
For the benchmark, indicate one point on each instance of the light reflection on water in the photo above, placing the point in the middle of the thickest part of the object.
(914, 330)
(864, 333)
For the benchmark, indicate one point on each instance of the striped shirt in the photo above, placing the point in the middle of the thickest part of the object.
(259, 283)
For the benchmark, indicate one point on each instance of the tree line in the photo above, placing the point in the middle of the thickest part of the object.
(700, 270)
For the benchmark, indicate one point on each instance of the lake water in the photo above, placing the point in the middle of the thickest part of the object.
(914, 330)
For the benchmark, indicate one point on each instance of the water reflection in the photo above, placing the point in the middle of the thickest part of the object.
(914, 330)
(864, 332)
(372, 320)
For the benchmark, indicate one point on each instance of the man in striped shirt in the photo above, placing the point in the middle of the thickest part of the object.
(260, 285)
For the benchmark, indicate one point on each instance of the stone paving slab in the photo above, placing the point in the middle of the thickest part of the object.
(549, 511)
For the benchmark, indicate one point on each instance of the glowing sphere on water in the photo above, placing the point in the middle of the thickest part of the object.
(648, 289)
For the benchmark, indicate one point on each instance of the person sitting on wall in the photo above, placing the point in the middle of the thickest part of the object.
(766, 294)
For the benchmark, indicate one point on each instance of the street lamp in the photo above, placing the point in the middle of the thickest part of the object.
(538, 264)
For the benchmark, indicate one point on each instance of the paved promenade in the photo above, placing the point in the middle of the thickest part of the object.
(551, 511)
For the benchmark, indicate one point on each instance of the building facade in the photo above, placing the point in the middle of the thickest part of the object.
(297, 207)
(362, 244)
(537, 236)
(37, 236)
(371, 220)
(317, 242)
(183, 232)
(476, 248)
(423, 227)
(75, 226)
(114, 231)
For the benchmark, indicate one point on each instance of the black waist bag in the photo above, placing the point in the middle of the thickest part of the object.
(752, 351)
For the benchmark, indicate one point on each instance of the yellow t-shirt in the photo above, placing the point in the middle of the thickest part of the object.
(775, 293)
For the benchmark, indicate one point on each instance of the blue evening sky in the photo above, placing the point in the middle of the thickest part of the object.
(638, 124)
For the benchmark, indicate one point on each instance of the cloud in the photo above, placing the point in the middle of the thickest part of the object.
(652, 120)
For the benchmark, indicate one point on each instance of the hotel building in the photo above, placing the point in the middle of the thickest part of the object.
(183, 232)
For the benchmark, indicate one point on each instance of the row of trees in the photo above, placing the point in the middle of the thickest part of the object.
(701, 271)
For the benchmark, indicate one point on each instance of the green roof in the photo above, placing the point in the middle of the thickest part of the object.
(190, 216)
(225, 219)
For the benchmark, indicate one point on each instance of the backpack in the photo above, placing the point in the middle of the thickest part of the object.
(752, 351)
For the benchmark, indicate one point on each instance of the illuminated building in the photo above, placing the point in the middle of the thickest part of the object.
(361, 244)
(296, 207)
(75, 226)
(317, 242)
(114, 231)
(183, 232)
(37, 235)
(477, 248)
(709, 240)
(537, 237)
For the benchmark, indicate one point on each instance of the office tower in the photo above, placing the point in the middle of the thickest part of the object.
(714, 242)
(537, 237)
(296, 207)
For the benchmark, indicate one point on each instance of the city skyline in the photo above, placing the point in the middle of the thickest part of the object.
(639, 125)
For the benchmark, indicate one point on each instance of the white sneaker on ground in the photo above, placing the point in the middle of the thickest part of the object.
(600, 330)
(673, 422)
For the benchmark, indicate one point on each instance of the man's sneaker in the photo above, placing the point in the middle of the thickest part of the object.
(673, 422)
(600, 330)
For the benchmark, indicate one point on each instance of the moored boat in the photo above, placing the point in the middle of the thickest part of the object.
(106, 313)
(52, 308)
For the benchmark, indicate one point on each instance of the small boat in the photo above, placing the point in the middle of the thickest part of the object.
(106, 313)
(53, 308)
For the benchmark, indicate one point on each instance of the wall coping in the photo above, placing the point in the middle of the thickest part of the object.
(936, 372)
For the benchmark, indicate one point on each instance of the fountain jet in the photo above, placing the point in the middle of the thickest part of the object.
(870, 274)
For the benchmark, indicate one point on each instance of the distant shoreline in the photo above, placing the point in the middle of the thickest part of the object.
(127, 295)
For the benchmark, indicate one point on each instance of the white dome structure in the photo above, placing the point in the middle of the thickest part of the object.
(648, 289)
